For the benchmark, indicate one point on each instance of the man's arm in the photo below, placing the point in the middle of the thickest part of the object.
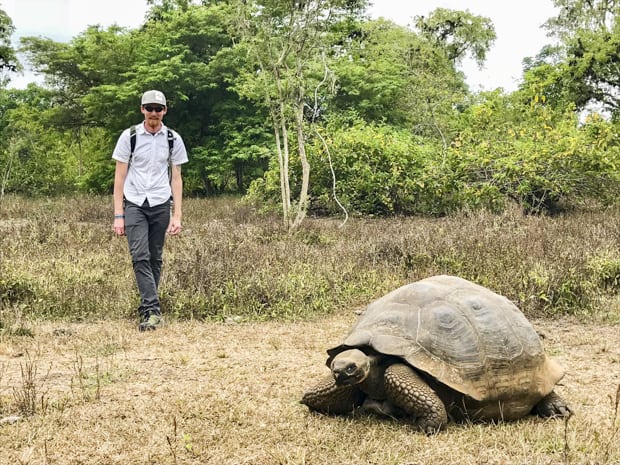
(176, 185)
(120, 173)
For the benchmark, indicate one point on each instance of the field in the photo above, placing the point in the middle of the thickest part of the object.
(221, 382)
(217, 393)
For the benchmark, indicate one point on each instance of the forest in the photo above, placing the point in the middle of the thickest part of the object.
(313, 107)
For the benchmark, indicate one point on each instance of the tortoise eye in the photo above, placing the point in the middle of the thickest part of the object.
(351, 369)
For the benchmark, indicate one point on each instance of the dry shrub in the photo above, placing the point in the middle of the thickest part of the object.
(231, 262)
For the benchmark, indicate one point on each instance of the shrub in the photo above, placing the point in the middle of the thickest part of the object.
(378, 170)
(231, 262)
(536, 155)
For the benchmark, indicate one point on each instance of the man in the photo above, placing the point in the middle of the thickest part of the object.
(143, 192)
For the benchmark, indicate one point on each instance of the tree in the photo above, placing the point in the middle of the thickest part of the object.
(72, 71)
(8, 57)
(389, 74)
(37, 159)
(458, 33)
(381, 170)
(387, 78)
(521, 148)
(576, 15)
(99, 75)
(287, 48)
(588, 69)
(404, 77)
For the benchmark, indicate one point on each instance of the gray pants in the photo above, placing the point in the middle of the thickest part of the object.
(145, 227)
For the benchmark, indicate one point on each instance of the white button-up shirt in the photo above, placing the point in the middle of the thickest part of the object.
(147, 177)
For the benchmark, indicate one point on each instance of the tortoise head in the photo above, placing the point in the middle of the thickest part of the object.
(350, 367)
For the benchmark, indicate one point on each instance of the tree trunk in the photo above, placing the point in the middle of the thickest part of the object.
(283, 175)
(305, 168)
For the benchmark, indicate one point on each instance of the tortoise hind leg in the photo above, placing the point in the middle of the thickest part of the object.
(327, 397)
(552, 406)
(407, 390)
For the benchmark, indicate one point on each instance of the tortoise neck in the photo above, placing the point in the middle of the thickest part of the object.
(374, 385)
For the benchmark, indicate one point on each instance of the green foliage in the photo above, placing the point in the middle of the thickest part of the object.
(35, 160)
(8, 57)
(556, 291)
(605, 269)
(510, 150)
(287, 48)
(16, 287)
(458, 33)
(99, 76)
(584, 68)
(378, 170)
(93, 147)
(534, 154)
(419, 143)
(224, 134)
(371, 74)
(388, 74)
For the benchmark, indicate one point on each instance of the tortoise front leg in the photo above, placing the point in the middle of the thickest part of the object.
(328, 397)
(552, 406)
(407, 390)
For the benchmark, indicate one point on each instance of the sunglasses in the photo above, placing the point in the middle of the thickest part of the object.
(155, 109)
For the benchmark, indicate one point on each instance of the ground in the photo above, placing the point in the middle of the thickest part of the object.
(228, 393)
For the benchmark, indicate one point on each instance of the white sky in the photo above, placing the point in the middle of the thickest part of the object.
(517, 25)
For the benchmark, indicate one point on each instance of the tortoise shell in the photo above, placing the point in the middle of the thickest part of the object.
(461, 334)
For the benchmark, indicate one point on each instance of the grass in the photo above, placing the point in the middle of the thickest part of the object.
(218, 393)
(251, 310)
(60, 261)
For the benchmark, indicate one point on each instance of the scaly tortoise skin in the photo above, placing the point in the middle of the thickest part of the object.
(441, 348)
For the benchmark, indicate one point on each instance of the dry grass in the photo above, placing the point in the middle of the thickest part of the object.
(59, 257)
(216, 393)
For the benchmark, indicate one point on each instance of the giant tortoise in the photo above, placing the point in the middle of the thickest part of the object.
(441, 348)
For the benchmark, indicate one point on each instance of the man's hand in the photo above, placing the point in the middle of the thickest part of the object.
(119, 226)
(174, 227)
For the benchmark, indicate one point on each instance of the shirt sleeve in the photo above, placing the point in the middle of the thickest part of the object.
(123, 147)
(179, 154)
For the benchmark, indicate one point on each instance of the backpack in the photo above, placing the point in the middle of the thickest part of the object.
(132, 144)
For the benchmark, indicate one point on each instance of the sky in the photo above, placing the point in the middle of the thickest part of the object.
(517, 25)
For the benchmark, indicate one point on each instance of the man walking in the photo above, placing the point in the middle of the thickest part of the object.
(147, 181)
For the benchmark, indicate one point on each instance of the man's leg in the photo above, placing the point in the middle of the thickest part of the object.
(159, 219)
(137, 230)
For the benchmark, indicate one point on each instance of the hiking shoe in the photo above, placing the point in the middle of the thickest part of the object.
(152, 323)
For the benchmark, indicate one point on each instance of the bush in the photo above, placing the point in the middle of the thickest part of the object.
(231, 262)
(538, 156)
(378, 170)
(16, 287)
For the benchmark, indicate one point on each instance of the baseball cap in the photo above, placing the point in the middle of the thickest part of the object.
(153, 96)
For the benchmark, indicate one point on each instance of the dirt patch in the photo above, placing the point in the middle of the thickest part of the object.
(205, 393)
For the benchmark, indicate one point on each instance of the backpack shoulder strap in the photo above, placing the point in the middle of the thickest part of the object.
(132, 143)
(170, 147)
(170, 141)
